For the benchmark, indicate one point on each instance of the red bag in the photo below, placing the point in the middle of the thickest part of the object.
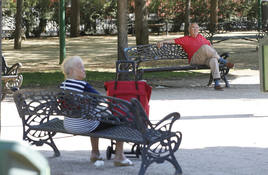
(130, 89)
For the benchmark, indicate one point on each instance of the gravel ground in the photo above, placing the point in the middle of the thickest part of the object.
(224, 132)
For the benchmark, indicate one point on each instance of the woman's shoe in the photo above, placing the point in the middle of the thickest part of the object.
(94, 159)
(125, 162)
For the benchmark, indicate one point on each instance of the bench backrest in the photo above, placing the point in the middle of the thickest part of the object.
(151, 52)
(4, 66)
(10, 70)
(41, 105)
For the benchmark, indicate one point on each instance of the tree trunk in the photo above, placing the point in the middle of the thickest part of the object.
(187, 17)
(41, 28)
(122, 27)
(17, 40)
(0, 63)
(141, 23)
(213, 15)
(75, 18)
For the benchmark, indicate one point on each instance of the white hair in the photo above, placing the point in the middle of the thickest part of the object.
(69, 63)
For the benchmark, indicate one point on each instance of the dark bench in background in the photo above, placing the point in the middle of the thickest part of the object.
(42, 111)
(151, 53)
(11, 78)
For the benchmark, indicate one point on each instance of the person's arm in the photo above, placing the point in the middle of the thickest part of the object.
(89, 88)
(160, 43)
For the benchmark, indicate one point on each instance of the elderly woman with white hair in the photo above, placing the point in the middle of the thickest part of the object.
(73, 69)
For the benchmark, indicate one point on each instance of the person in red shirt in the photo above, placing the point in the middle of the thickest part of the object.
(200, 52)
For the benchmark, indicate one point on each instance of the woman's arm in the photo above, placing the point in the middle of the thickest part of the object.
(89, 88)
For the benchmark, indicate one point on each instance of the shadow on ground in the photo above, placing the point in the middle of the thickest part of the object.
(224, 160)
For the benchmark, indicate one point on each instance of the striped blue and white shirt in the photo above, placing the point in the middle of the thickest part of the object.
(79, 125)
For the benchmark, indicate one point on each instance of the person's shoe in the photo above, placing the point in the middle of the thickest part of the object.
(218, 88)
(125, 162)
(94, 159)
(229, 65)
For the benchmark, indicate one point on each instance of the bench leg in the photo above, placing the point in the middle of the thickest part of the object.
(224, 71)
(32, 136)
(148, 159)
(225, 81)
(176, 165)
(210, 79)
(53, 145)
(160, 152)
(223, 77)
(3, 94)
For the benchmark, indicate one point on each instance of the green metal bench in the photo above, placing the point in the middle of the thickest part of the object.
(11, 78)
(42, 111)
(151, 53)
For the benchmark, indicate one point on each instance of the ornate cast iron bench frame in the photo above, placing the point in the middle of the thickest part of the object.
(11, 78)
(144, 53)
(42, 113)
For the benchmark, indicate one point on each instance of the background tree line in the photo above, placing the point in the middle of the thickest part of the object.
(36, 14)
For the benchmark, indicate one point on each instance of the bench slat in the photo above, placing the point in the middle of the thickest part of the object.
(121, 133)
(187, 67)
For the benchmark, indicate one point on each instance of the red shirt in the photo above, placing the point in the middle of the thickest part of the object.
(191, 44)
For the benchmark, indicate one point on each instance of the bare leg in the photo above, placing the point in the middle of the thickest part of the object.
(120, 159)
(119, 154)
(95, 153)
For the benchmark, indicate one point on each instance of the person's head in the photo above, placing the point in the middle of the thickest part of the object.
(73, 68)
(193, 29)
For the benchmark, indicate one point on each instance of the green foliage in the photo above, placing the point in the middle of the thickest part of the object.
(8, 8)
(36, 16)
(96, 9)
(248, 8)
(37, 13)
(200, 10)
(167, 9)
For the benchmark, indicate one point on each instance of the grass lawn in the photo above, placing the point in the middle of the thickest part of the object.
(52, 79)
(40, 58)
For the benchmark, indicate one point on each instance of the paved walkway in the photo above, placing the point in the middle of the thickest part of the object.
(224, 133)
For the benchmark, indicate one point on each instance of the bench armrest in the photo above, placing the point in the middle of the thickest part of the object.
(144, 125)
(14, 69)
(167, 122)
